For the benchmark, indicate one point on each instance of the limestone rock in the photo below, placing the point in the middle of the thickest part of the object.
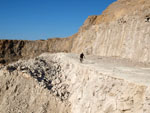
(123, 30)
(59, 83)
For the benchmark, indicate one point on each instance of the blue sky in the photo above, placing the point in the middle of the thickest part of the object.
(42, 19)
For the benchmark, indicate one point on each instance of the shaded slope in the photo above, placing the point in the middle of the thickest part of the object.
(13, 50)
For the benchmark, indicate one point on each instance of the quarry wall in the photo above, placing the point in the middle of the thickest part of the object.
(123, 30)
(13, 50)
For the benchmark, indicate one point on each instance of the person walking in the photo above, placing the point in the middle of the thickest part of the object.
(81, 57)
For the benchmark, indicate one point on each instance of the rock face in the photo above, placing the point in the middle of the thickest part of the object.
(10, 50)
(13, 50)
(59, 83)
(123, 30)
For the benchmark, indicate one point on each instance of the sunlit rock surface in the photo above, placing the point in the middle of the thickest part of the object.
(59, 83)
(123, 30)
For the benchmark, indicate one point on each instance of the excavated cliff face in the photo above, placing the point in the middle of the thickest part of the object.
(59, 83)
(10, 50)
(34, 48)
(123, 30)
(13, 50)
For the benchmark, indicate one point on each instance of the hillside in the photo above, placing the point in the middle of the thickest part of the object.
(123, 30)
(59, 83)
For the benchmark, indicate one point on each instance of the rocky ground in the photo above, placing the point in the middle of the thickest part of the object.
(59, 83)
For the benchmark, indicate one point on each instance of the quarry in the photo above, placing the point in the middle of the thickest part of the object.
(46, 76)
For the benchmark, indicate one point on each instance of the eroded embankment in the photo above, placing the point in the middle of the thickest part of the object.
(33, 86)
(59, 83)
